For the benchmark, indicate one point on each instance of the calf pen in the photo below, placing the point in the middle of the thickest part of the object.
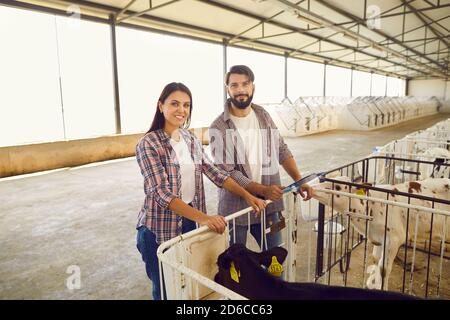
(413, 147)
(341, 255)
(189, 260)
(323, 247)
(416, 144)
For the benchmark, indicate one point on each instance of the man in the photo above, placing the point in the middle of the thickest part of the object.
(246, 143)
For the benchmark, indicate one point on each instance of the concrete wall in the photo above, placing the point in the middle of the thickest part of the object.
(46, 156)
(427, 88)
(30, 158)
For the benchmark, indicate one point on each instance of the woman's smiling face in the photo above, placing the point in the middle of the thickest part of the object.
(176, 109)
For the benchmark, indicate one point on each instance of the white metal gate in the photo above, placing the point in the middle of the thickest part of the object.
(189, 261)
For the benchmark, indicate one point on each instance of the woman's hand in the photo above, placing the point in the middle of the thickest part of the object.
(257, 204)
(215, 223)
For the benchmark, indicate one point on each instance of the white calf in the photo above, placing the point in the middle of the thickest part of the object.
(397, 218)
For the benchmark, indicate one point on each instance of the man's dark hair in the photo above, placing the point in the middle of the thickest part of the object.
(240, 69)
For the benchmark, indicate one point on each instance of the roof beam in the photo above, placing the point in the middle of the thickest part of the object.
(265, 46)
(201, 29)
(260, 23)
(117, 16)
(137, 14)
(322, 38)
(437, 70)
(419, 15)
(262, 37)
(385, 15)
(312, 56)
(442, 6)
(299, 30)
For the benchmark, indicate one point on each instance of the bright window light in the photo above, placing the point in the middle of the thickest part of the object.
(361, 83)
(86, 77)
(378, 85)
(148, 61)
(268, 70)
(304, 79)
(30, 102)
(337, 81)
(392, 87)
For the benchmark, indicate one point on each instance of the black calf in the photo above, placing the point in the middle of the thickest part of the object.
(240, 270)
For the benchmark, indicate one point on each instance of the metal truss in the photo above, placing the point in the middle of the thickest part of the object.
(405, 56)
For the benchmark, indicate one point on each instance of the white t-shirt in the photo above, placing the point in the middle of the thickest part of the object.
(249, 130)
(187, 169)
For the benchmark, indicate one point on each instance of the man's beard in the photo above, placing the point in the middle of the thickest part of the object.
(241, 104)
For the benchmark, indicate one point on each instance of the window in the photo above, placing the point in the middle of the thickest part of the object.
(86, 77)
(361, 83)
(392, 87)
(30, 102)
(337, 81)
(268, 70)
(56, 78)
(378, 85)
(148, 61)
(304, 79)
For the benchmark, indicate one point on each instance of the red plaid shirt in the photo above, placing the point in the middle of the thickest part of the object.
(162, 181)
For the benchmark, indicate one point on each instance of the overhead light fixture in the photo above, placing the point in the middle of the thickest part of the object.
(377, 48)
(398, 55)
(309, 20)
(349, 37)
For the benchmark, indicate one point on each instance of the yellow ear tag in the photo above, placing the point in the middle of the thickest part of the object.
(233, 273)
(360, 192)
(275, 267)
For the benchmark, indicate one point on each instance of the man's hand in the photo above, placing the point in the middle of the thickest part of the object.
(308, 190)
(215, 223)
(273, 192)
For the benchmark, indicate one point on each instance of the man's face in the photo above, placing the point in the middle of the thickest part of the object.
(240, 89)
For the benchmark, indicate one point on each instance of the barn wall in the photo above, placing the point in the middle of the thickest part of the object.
(427, 88)
(22, 159)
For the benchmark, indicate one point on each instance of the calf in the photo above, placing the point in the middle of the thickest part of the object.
(419, 226)
(440, 168)
(395, 228)
(241, 271)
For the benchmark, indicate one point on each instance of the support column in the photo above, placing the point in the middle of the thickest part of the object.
(385, 85)
(285, 75)
(115, 75)
(225, 69)
(351, 83)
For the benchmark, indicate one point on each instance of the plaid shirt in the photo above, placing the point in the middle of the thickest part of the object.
(162, 181)
(275, 153)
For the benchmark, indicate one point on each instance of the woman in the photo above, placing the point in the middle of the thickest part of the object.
(172, 162)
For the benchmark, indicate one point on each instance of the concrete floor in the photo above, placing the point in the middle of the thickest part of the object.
(86, 216)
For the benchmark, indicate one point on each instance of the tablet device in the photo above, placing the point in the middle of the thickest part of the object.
(297, 184)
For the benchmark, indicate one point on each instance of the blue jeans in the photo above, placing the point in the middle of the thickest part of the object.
(273, 240)
(147, 246)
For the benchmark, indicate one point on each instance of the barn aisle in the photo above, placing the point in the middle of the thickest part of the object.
(85, 217)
